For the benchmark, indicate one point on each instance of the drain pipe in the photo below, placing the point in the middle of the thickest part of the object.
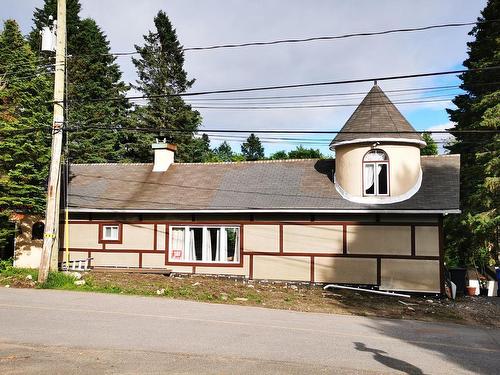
(335, 286)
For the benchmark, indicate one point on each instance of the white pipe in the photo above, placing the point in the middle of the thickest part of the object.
(366, 290)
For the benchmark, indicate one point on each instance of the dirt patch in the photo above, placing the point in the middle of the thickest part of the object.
(288, 296)
(301, 297)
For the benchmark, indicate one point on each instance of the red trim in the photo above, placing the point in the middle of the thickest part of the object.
(140, 260)
(379, 271)
(312, 269)
(281, 239)
(167, 242)
(155, 235)
(344, 238)
(441, 256)
(89, 256)
(341, 255)
(413, 240)
(250, 272)
(120, 232)
(193, 269)
(248, 222)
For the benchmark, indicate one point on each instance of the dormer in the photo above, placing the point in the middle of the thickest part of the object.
(377, 153)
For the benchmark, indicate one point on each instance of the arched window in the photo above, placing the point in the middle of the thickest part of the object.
(375, 173)
(37, 231)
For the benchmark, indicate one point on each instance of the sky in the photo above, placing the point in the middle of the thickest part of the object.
(211, 22)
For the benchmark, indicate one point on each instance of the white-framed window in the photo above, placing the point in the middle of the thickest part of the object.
(204, 244)
(110, 232)
(375, 173)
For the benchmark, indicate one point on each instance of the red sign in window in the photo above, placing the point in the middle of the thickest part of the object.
(176, 254)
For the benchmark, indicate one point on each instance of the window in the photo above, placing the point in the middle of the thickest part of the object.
(204, 244)
(375, 173)
(37, 231)
(110, 233)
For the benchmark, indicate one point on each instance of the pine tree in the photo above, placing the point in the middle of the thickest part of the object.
(279, 155)
(305, 153)
(473, 237)
(25, 120)
(252, 149)
(92, 75)
(160, 69)
(431, 147)
(224, 152)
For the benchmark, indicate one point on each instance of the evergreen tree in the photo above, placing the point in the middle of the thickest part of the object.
(25, 121)
(279, 155)
(92, 75)
(305, 153)
(160, 68)
(252, 149)
(431, 148)
(473, 237)
(224, 152)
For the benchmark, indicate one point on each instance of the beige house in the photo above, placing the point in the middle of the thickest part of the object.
(371, 216)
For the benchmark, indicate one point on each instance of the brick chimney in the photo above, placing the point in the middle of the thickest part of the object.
(163, 155)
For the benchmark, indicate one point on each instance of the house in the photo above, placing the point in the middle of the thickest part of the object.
(371, 216)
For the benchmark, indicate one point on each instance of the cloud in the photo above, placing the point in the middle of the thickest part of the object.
(208, 22)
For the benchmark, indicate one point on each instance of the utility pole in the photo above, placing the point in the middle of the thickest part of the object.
(50, 237)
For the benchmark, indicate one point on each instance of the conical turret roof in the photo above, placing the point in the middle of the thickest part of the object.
(380, 119)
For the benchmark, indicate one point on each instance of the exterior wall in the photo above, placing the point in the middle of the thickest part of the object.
(396, 252)
(312, 238)
(262, 238)
(345, 270)
(379, 239)
(404, 167)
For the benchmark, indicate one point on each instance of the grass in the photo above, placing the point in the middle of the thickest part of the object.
(278, 295)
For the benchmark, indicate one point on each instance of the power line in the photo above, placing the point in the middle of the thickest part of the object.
(317, 38)
(325, 106)
(289, 86)
(75, 127)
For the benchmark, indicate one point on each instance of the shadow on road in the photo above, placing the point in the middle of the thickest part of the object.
(394, 363)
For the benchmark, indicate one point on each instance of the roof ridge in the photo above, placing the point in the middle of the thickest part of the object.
(111, 163)
(250, 161)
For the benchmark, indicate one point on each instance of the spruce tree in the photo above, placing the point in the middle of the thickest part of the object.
(224, 152)
(93, 75)
(431, 147)
(473, 236)
(160, 69)
(252, 149)
(25, 121)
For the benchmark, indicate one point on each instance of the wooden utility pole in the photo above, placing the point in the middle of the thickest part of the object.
(50, 237)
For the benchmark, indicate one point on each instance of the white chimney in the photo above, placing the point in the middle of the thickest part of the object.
(164, 155)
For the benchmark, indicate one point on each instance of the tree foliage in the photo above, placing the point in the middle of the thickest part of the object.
(92, 75)
(25, 120)
(473, 236)
(431, 148)
(252, 149)
(300, 152)
(160, 69)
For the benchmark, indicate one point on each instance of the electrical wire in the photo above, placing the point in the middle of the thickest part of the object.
(316, 39)
(289, 86)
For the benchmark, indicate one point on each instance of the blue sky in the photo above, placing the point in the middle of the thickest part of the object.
(215, 22)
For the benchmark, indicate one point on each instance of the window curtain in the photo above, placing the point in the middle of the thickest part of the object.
(223, 245)
(368, 177)
(207, 246)
(192, 249)
(236, 256)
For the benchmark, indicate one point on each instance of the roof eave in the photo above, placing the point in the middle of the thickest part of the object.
(418, 142)
(284, 210)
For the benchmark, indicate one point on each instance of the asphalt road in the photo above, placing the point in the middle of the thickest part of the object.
(56, 332)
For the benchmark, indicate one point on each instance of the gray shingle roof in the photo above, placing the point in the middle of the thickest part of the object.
(376, 113)
(262, 185)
